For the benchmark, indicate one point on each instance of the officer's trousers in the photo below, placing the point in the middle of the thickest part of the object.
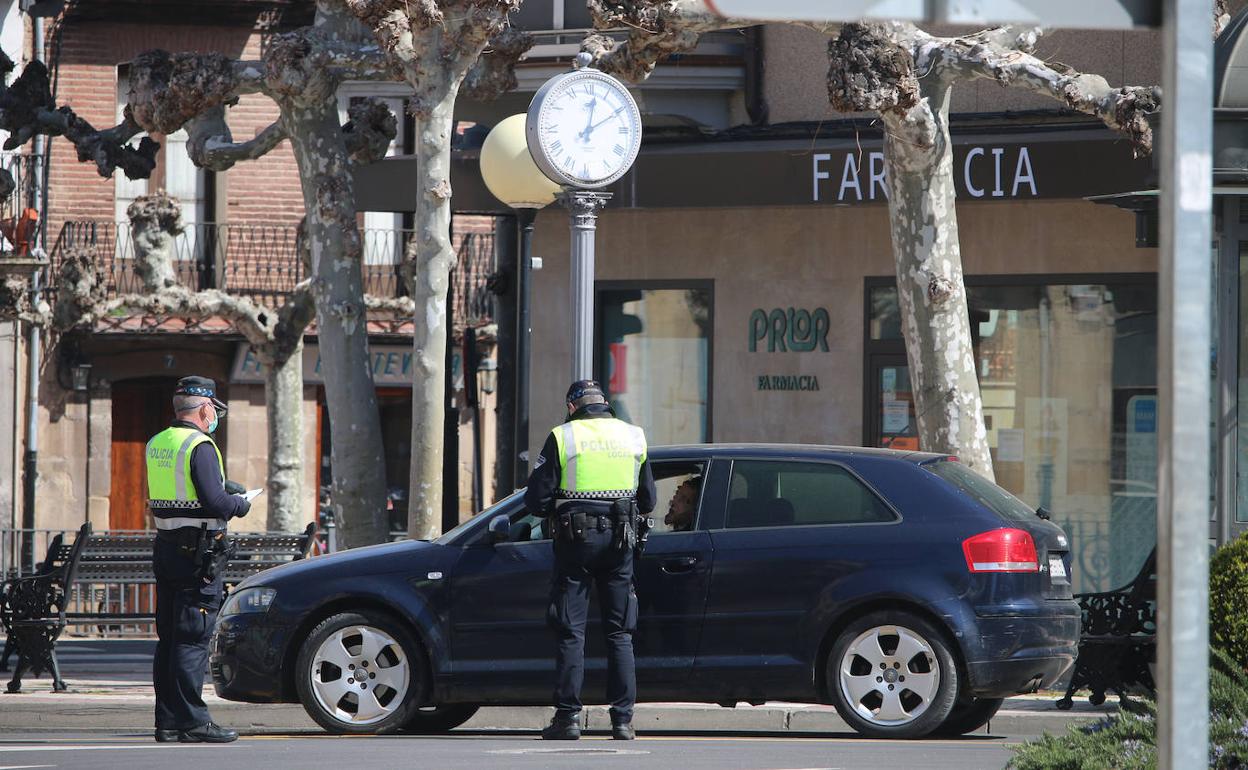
(186, 612)
(578, 565)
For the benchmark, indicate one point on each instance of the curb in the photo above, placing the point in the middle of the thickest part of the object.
(43, 712)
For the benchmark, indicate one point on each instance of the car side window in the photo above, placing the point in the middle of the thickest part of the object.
(776, 493)
(679, 487)
(528, 528)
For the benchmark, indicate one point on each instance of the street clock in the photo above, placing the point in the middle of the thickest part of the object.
(583, 129)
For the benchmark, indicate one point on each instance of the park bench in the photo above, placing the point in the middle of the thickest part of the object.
(88, 581)
(1118, 639)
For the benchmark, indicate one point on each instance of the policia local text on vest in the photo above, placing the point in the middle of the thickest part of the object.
(594, 484)
(191, 502)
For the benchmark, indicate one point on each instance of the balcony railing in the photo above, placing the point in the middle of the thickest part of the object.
(262, 262)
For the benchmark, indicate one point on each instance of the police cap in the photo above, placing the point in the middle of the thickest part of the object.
(199, 386)
(584, 392)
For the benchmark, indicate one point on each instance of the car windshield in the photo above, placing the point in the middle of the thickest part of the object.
(450, 537)
(981, 489)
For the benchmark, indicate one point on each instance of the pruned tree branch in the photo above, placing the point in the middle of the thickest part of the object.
(1221, 16)
(876, 67)
(656, 29)
(371, 128)
(494, 73)
(211, 145)
(395, 305)
(27, 109)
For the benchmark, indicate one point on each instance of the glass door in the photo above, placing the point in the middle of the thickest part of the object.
(892, 423)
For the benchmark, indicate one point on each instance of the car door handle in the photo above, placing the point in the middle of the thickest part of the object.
(678, 565)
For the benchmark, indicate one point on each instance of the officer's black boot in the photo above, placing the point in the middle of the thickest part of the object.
(563, 728)
(166, 736)
(623, 731)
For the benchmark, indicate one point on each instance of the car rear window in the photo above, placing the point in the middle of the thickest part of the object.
(981, 489)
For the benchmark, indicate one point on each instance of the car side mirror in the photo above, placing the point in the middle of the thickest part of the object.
(500, 529)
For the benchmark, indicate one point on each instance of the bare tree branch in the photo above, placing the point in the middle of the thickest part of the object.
(656, 30)
(1221, 16)
(210, 143)
(396, 305)
(371, 128)
(875, 67)
(1123, 109)
(494, 73)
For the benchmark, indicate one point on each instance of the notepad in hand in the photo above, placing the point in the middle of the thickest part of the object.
(252, 494)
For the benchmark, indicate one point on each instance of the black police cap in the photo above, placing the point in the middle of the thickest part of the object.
(586, 392)
(199, 386)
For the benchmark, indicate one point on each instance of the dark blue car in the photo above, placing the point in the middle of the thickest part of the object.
(901, 587)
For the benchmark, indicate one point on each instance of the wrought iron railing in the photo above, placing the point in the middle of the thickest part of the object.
(262, 262)
(18, 209)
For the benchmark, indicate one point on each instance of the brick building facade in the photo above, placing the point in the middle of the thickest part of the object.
(240, 235)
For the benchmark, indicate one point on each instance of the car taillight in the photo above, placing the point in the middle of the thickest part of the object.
(1001, 550)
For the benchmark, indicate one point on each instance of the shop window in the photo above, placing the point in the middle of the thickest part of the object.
(1068, 375)
(774, 494)
(654, 357)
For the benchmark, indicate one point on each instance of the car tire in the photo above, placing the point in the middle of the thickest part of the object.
(329, 681)
(439, 719)
(969, 715)
(868, 668)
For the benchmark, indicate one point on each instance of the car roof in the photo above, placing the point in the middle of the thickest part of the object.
(806, 451)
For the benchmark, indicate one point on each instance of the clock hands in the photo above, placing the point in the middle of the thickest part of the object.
(590, 129)
(584, 135)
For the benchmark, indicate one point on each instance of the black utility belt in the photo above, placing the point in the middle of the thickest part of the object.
(185, 537)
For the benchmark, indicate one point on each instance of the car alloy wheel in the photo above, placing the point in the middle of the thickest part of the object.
(890, 674)
(360, 673)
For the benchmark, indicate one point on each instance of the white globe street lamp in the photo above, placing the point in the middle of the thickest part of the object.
(511, 176)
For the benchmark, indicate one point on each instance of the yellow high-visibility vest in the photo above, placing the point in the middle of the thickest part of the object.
(599, 458)
(169, 474)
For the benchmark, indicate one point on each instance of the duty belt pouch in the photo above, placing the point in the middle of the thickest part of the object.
(579, 520)
(625, 529)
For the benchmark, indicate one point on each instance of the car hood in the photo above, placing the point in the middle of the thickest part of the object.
(404, 555)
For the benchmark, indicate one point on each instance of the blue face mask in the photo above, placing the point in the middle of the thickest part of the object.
(212, 426)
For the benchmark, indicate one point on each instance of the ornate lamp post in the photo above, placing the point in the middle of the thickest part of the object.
(511, 175)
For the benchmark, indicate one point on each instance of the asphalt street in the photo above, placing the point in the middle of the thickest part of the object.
(512, 750)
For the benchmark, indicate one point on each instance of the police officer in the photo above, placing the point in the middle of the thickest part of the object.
(190, 505)
(593, 481)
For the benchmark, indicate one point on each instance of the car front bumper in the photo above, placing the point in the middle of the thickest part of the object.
(246, 659)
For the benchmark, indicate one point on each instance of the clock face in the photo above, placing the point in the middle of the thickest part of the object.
(584, 129)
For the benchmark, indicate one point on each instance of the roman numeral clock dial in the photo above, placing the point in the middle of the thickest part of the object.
(583, 129)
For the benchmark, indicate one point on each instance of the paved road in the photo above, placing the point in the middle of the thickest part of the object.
(511, 750)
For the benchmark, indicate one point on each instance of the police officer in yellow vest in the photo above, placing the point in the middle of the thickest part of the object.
(593, 482)
(191, 502)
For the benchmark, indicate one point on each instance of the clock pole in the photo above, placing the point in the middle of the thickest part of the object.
(583, 206)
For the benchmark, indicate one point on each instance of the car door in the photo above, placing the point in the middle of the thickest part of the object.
(673, 580)
(501, 648)
(793, 528)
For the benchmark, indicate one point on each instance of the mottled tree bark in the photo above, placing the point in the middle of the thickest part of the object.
(876, 68)
(918, 161)
(283, 407)
(435, 44)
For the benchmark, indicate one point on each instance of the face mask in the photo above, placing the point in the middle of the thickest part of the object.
(216, 420)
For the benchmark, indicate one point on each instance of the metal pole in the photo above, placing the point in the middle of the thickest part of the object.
(1183, 379)
(584, 206)
(524, 343)
(507, 262)
(30, 470)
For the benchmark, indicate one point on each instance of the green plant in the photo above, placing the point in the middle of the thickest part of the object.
(1228, 600)
(1128, 740)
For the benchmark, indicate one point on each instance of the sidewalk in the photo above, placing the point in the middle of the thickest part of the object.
(110, 689)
